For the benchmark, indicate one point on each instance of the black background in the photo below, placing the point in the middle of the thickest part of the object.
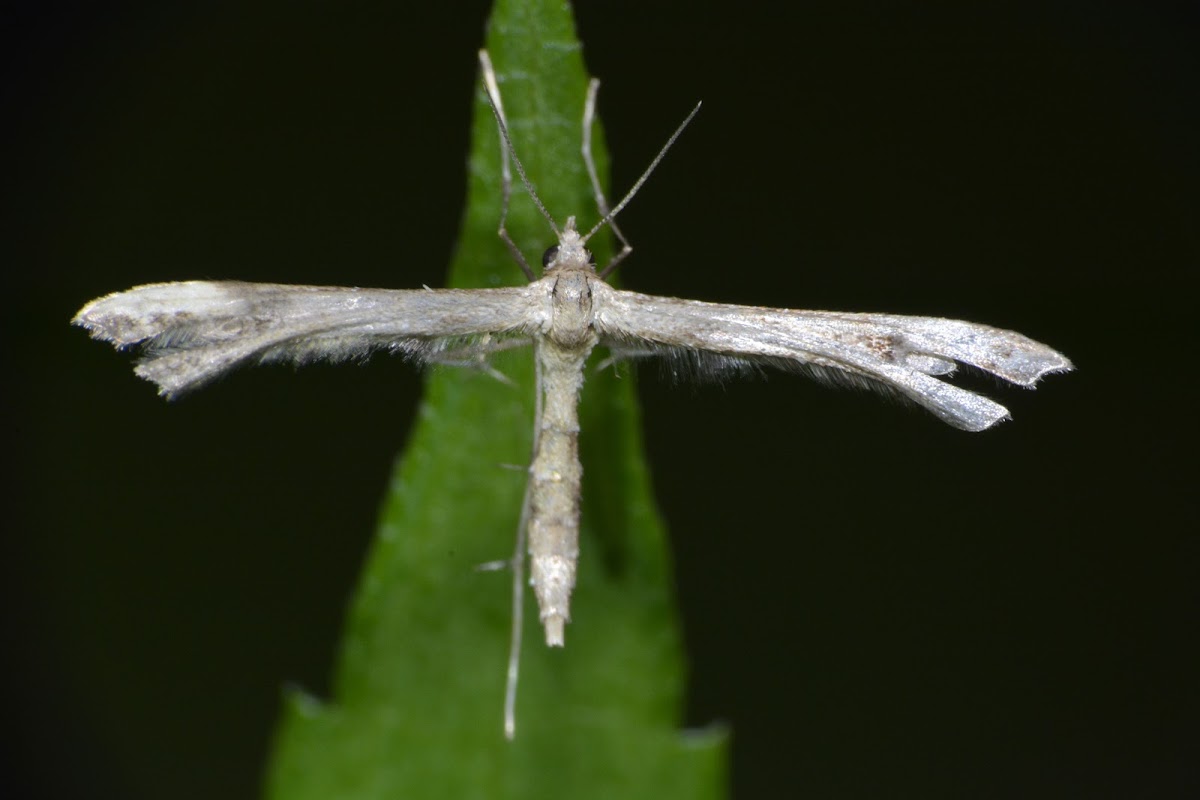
(878, 604)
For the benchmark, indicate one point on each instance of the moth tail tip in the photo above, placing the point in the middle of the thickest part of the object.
(554, 625)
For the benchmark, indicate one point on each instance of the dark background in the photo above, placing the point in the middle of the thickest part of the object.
(878, 604)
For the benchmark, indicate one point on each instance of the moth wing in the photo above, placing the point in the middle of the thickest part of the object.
(904, 355)
(191, 332)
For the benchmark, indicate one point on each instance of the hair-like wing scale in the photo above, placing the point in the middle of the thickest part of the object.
(896, 353)
(192, 332)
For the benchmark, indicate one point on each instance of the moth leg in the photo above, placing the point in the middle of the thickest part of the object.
(493, 95)
(476, 355)
(518, 571)
(619, 356)
(589, 121)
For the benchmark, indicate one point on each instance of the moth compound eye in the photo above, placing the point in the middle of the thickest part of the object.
(549, 256)
(591, 258)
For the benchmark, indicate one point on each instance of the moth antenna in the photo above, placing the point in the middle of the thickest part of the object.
(493, 93)
(645, 175)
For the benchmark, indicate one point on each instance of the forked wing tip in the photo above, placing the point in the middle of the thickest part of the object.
(1059, 365)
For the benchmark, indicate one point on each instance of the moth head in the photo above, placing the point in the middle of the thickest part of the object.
(569, 253)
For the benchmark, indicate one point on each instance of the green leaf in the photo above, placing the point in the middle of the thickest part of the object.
(418, 696)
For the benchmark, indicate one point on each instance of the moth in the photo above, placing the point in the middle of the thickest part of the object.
(192, 332)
